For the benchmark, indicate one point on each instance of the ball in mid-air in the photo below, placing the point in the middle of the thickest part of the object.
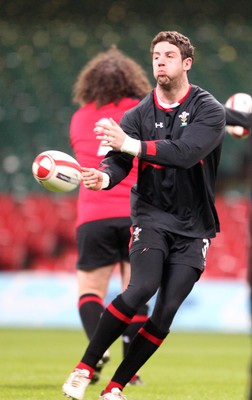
(56, 171)
(239, 102)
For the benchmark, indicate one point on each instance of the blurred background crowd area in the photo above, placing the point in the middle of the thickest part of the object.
(43, 47)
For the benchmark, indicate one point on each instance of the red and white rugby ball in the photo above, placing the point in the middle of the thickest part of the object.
(56, 171)
(239, 102)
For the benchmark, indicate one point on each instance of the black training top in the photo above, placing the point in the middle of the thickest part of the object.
(181, 149)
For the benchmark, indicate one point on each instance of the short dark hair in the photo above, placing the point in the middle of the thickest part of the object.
(108, 78)
(176, 38)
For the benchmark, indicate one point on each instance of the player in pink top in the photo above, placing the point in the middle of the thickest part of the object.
(110, 84)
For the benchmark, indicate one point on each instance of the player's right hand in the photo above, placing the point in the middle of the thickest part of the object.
(92, 178)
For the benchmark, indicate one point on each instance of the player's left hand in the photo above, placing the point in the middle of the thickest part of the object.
(110, 133)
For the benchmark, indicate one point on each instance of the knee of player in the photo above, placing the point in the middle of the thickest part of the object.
(140, 295)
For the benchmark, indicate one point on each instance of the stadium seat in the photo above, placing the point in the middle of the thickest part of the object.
(228, 254)
(38, 232)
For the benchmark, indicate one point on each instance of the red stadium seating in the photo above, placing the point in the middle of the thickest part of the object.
(228, 254)
(38, 232)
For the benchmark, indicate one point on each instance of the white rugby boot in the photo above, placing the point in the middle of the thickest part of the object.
(115, 394)
(76, 384)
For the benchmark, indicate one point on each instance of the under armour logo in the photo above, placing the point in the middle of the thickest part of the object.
(160, 125)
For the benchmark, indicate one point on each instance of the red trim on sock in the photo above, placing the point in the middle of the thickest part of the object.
(150, 337)
(139, 318)
(94, 298)
(111, 386)
(118, 314)
(82, 365)
(134, 377)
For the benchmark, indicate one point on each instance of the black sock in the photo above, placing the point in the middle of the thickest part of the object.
(114, 320)
(144, 344)
(136, 323)
(90, 308)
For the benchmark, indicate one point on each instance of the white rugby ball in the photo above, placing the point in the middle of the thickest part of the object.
(239, 102)
(56, 171)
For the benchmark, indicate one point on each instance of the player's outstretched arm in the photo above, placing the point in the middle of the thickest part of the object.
(93, 179)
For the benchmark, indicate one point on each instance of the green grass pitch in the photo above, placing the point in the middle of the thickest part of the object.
(188, 366)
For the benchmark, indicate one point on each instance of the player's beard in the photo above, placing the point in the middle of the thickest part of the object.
(168, 84)
(164, 81)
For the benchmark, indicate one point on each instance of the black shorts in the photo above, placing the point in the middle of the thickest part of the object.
(103, 242)
(177, 249)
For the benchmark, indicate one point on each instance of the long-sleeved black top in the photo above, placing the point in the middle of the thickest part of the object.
(181, 149)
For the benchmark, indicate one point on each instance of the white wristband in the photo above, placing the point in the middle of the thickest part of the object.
(131, 146)
(105, 180)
